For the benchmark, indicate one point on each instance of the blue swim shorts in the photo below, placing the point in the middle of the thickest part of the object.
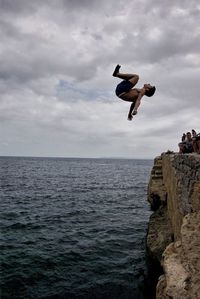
(123, 86)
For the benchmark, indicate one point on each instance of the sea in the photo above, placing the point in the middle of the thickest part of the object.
(73, 228)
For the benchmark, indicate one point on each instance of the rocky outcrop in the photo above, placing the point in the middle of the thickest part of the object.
(173, 238)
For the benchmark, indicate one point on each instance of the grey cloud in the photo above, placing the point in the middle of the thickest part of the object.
(19, 7)
(8, 30)
(171, 42)
(14, 6)
(165, 8)
(93, 5)
(97, 36)
(79, 42)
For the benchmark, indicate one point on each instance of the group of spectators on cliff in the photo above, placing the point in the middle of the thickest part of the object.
(190, 143)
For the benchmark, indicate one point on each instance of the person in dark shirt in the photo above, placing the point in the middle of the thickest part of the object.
(186, 146)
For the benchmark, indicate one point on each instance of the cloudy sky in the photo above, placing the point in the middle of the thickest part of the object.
(56, 86)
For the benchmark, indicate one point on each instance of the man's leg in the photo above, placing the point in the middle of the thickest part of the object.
(133, 78)
(195, 146)
(181, 148)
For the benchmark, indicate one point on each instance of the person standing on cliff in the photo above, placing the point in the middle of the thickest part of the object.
(196, 141)
(186, 146)
(126, 92)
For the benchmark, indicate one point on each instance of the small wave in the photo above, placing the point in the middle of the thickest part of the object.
(9, 215)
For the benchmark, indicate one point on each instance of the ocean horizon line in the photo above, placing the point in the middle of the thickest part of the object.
(76, 157)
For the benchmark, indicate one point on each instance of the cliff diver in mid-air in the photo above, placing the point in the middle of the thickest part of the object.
(126, 92)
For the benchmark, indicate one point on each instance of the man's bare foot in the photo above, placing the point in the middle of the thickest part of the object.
(116, 70)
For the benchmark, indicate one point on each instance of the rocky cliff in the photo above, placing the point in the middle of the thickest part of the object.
(173, 239)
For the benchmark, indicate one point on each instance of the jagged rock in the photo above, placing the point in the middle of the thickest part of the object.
(195, 196)
(156, 188)
(159, 233)
(182, 263)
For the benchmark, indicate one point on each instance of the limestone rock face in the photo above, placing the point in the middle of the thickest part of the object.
(182, 263)
(156, 188)
(159, 233)
(173, 237)
(181, 177)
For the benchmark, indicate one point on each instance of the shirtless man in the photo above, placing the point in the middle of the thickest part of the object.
(126, 92)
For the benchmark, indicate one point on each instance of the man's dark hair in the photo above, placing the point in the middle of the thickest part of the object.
(150, 92)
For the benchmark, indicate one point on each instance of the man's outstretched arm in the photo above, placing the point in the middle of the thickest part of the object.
(134, 106)
(131, 110)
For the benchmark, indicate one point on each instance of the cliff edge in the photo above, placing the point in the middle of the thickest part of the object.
(173, 238)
